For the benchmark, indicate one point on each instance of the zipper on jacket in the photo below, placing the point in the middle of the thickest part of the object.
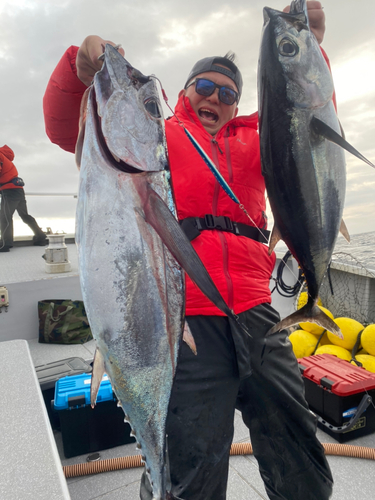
(214, 141)
(222, 237)
(217, 185)
(228, 156)
(227, 275)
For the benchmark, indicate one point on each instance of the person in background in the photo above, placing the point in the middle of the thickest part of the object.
(12, 199)
(231, 370)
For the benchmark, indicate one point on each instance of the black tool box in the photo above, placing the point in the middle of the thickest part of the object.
(85, 429)
(50, 373)
(342, 396)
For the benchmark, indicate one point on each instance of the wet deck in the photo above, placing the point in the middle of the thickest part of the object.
(354, 478)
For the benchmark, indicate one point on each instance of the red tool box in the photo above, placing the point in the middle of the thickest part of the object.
(342, 395)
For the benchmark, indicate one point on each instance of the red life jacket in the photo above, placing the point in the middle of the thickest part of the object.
(239, 266)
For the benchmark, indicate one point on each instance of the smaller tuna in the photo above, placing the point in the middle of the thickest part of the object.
(302, 155)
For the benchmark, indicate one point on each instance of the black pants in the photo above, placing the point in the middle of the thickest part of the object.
(207, 389)
(12, 200)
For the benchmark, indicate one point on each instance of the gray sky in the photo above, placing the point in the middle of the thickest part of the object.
(166, 37)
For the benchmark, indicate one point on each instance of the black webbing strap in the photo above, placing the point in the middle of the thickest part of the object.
(192, 227)
(17, 181)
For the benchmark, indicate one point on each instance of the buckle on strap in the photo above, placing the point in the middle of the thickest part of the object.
(221, 222)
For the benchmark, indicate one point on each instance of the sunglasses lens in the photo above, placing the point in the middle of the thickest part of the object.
(204, 87)
(227, 95)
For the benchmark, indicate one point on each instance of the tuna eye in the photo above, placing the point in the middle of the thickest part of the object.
(288, 48)
(152, 106)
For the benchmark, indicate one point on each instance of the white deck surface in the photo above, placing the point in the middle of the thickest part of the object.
(354, 478)
(22, 264)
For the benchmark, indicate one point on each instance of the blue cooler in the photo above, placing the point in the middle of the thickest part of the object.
(85, 429)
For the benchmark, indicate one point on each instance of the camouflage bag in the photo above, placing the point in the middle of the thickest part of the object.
(63, 322)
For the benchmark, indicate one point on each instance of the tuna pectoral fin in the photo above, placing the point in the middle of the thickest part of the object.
(321, 128)
(313, 314)
(98, 370)
(344, 231)
(158, 215)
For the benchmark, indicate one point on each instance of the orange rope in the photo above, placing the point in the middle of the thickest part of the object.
(343, 450)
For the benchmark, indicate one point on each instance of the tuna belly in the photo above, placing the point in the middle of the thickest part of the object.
(309, 197)
(133, 293)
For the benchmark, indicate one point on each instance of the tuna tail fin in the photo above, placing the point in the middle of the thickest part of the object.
(321, 128)
(98, 370)
(311, 313)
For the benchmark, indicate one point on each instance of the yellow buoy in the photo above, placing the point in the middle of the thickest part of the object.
(312, 327)
(368, 339)
(324, 340)
(368, 362)
(350, 329)
(335, 350)
(303, 343)
(362, 351)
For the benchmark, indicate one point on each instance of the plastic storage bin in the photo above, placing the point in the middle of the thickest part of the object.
(342, 396)
(85, 429)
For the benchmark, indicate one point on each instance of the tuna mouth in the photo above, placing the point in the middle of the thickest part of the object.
(208, 114)
(114, 161)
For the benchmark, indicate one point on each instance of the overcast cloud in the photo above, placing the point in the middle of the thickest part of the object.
(166, 37)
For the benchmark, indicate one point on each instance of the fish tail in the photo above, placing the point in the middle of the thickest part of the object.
(311, 313)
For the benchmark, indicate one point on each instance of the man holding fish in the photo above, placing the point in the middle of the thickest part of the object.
(220, 367)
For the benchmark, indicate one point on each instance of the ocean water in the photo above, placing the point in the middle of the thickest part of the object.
(361, 248)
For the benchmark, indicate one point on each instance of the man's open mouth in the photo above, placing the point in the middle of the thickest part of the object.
(208, 115)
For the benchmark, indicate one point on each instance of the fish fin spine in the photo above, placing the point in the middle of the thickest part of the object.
(275, 238)
(189, 339)
(98, 371)
(344, 231)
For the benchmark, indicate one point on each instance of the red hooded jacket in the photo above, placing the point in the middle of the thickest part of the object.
(239, 266)
(8, 170)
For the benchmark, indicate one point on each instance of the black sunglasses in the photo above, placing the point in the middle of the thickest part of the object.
(206, 88)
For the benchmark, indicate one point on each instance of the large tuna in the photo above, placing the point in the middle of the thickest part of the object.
(302, 158)
(132, 286)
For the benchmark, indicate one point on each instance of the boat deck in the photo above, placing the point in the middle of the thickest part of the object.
(354, 478)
